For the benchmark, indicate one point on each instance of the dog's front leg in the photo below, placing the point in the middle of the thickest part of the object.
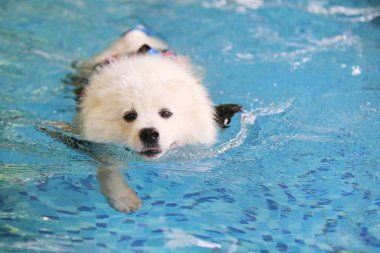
(116, 190)
(63, 126)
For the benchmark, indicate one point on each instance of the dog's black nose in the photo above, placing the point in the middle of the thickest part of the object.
(149, 135)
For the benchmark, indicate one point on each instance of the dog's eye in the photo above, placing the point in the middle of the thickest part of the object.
(130, 116)
(165, 113)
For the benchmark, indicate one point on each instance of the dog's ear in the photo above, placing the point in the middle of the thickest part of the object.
(144, 49)
(224, 113)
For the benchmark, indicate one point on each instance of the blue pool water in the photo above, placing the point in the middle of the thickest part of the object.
(299, 172)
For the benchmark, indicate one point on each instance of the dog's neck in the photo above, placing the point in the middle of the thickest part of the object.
(143, 50)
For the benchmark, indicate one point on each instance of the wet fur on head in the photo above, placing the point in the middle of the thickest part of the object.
(147, 84)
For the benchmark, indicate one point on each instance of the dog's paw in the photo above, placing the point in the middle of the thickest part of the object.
(116, 190)
(63, 126)
(126, 203)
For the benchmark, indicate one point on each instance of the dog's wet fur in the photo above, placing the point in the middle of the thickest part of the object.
(148, 103)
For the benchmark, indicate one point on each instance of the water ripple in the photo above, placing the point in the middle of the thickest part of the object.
(345, 13)
(304, 52)
(247, 119)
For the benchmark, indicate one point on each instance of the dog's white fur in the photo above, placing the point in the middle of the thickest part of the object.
(146, 84)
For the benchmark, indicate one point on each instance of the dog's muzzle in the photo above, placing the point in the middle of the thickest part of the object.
(149, 137)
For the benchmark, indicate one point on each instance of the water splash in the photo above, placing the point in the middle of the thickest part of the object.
(247, 119)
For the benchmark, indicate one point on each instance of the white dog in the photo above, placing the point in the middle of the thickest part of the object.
(140, 94)
(145, 97)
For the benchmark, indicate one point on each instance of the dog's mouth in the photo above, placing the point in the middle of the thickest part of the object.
(151, 152)
(154, 152)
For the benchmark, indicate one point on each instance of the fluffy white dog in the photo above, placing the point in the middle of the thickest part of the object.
(142, 95)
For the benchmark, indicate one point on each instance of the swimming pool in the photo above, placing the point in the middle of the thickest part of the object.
(298, 173)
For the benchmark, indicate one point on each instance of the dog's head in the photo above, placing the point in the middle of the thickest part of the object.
(149, 104)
